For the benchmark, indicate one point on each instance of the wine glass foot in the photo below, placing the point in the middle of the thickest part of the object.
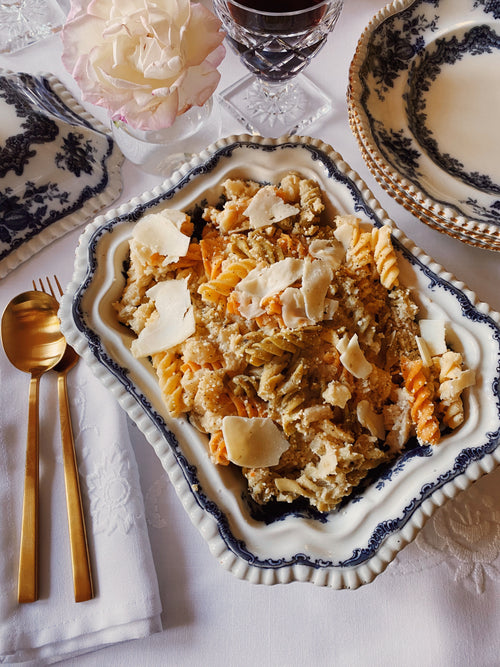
(272, 110)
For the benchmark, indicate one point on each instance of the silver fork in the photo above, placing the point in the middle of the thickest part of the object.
(82, 575)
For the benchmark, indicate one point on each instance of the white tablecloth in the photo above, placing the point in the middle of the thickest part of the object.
(438, 603)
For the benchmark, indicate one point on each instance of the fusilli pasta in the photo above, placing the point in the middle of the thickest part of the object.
(297, 323)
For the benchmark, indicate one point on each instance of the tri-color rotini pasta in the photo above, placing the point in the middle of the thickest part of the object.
(286, 337)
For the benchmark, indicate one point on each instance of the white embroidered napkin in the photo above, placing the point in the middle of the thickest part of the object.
(127, 603)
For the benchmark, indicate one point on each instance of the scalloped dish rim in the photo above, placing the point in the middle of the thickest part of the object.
(346, 548)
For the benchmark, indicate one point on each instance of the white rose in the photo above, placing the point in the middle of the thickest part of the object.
(146, 62)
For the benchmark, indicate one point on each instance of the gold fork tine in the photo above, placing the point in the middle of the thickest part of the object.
(49, 285)
(61, 292)
(50, 289)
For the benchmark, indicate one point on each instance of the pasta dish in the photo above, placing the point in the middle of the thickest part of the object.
(287, 338)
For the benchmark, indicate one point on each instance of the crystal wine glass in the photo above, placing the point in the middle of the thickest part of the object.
(275, 98)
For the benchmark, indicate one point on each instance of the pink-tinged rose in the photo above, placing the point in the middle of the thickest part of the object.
(146, 62)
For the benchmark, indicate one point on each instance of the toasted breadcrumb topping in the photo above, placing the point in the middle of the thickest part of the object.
(302, 321)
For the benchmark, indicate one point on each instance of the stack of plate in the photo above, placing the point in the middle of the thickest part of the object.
(424, 106)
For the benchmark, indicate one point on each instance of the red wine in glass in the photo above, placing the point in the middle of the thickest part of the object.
(279, 6)
(276, 39)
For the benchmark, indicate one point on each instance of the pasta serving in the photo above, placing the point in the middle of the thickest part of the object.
(288, 339)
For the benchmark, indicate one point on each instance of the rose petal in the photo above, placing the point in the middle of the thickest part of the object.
(197, 86)
(202, 22)
(217, 56)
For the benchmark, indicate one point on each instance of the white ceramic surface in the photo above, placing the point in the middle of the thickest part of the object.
(396, 188)
(424, 87)
(352, 545)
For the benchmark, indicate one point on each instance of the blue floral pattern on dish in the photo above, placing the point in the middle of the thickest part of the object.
(409, 47)
(395, 44)
(53, 162)
(489, 6)
(383, 478)
(479, 40)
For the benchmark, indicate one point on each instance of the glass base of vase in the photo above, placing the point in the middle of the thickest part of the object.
(274, 111)
(161, 152)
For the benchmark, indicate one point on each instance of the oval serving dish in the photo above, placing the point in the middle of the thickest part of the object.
(280, 544)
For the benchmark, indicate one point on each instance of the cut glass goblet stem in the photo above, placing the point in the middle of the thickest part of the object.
(276, 98)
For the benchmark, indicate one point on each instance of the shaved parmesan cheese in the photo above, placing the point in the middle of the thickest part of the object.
(301, 306)
(293, 308)
(342, 344)
(286, 485)
(450, 389)
(397, 420)
(337, 394)
(307, 304)
(327, 464)
(368, 418)
(271, 279)
(346, 224)
(267, 208)
(174, 322)
(330, 309)
(331, 253)
(344, 235)
(253, 442)
(316, 279)
(264, 282)
(425, 354)
(160, 232)
(353, 359)
(434, 334)
(249, 307)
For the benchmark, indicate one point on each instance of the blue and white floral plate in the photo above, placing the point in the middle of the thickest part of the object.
(341, 549)
(58, 165)
(424, 95)
(396, 189)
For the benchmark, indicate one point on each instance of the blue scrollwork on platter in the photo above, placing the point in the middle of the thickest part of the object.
(58, 165)
(282, 543)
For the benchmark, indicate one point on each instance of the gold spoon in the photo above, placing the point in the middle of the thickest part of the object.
(82, 577)
(34, 344)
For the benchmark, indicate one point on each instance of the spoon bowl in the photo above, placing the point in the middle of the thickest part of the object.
(31, 333)
(34, 344)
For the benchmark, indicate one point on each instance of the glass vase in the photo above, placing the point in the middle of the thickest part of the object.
(163, 151)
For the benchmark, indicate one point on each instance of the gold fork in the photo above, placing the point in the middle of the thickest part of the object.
(82, 576)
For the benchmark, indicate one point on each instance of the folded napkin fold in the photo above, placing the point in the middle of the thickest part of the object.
(127, 602)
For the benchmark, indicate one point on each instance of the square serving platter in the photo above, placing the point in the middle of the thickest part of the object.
(351, 545)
